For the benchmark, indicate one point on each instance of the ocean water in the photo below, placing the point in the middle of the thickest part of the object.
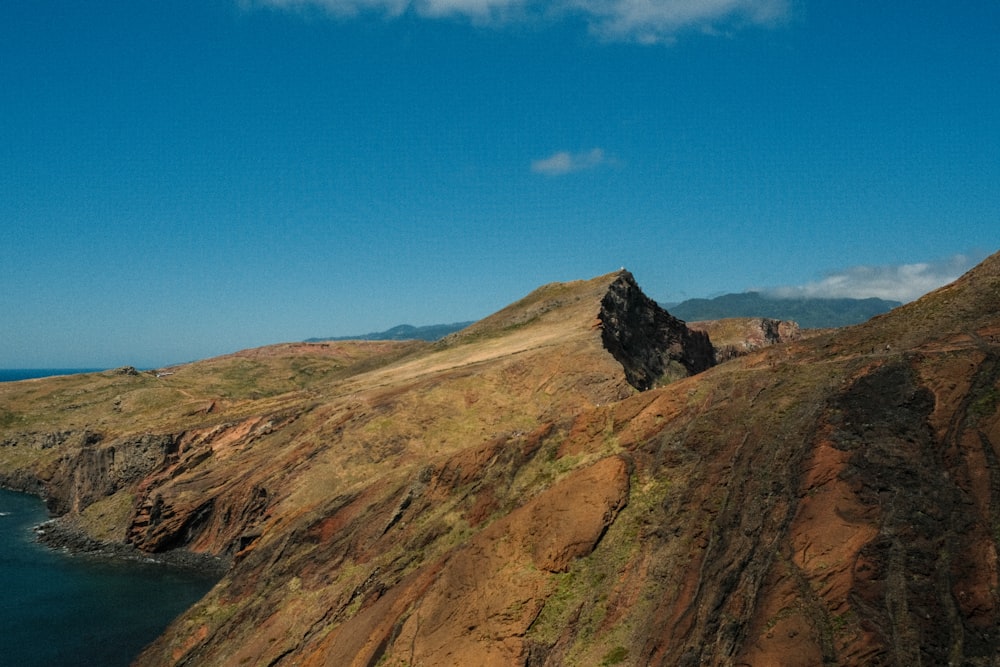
(13, 374)
(63, 610)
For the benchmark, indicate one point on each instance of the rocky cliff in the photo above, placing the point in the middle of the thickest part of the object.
(738, 336)
(508, 496)
(648, 341)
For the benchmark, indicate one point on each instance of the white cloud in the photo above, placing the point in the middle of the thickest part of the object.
(341, 8)
(645, 21)
(652, 21)
(477, 10)
(565, 162)
(899, 282)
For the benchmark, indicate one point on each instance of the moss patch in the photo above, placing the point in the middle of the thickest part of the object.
(107, 519)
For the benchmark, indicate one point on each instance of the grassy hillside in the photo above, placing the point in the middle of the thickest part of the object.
(504, 496)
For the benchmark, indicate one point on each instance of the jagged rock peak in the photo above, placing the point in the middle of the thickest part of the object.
(647, 341)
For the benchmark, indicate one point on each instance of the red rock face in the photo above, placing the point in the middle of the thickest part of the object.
(508, 498)
(476, 604)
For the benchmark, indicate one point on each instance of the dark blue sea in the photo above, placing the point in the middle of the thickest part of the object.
(63, 610)
(13, 374)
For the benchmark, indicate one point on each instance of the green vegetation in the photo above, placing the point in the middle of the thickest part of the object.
(7, 418)
(783, 613)
(615, 656)
(562, 297)
(984, 405)
(842, 622)
(246, 379)
(22, 457)
(672, 372)
(543, 470)
(339, 488)
(107, 518)
(584, 596)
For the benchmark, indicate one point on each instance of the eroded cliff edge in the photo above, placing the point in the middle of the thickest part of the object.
(508, 498)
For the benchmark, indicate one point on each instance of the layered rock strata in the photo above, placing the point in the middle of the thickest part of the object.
(509, 497)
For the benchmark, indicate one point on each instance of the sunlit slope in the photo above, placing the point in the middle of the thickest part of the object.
(818, 502)
(506, 497)
(232, 421)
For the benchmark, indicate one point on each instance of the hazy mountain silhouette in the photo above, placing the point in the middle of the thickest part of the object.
(574, 479)
(430, 332)
(807, 312)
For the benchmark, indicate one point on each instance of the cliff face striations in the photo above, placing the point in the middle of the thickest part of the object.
(534, 491)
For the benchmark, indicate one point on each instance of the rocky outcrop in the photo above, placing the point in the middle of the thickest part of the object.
(506, 498)
(23, 481)
(63, 533)
(67, 440)
(736, 337)
(192, 502)
(96, 469)
(648, 341)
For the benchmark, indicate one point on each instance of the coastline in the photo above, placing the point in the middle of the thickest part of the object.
(61, 535)
(84, 603)
(18, 374)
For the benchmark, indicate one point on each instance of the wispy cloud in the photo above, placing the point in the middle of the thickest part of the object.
(656, 21)
(339, 8)
(644, 21)
(898, 282)
(565, 162)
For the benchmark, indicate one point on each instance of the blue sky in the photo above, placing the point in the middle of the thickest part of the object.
(180, 180)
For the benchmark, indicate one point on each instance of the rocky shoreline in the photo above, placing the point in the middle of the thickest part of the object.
(60, 535)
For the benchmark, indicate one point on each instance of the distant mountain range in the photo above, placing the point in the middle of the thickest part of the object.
(431, 332)
(534, 490)
(809, 313)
